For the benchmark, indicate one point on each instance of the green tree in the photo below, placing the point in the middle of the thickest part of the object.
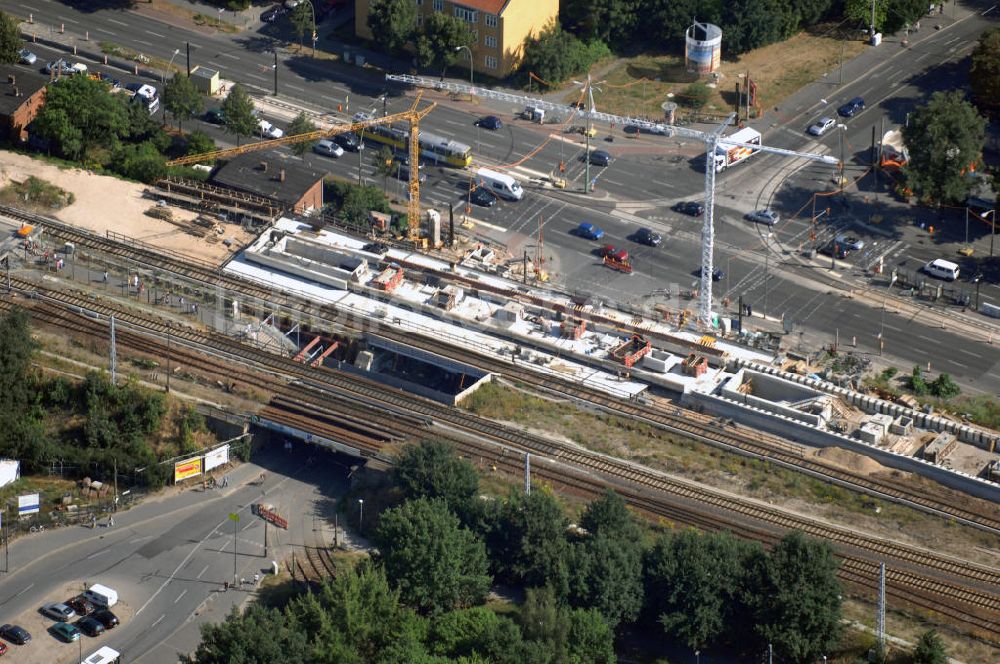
(237, 108)
(355, 616)
(255, 636)
(356, 202)
(903, 14)
(302, 20)
(436, 564)
(556, 55)
(749, 24)
(669, 19)
(182, 98)
(917, 384)
(795, 598)
(441, 35)
(10, 39)
(606, 575)
(16, 350)
(610, 21)
(693, 582)
(984, 75)
(142, 162)
(476, 632)
(393, 22)
(432, 470)
(198, 142)
(528, 542)
(301, 125)
(930, 649)
(860, 11)
(545, 623)
(385, 165)
(944, 138)
(590, 638)
(696, 95)
(79, 114)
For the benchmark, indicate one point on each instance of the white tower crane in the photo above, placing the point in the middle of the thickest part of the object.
(711, 140)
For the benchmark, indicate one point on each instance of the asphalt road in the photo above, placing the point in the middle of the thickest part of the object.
(169, 556)
(651, 173)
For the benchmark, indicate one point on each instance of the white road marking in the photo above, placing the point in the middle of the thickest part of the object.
(183, 592)
(143, 42)
(30, 586)
(229, 55)
(157, 620)
(968, 352)
(294, 87)
(136, 540)
(155, 34)
(926, 338)
(68, 20)
(107, 32)
(31, 8)
(202, 572)
(893, 327)
(99, 553)
(259, 78)
(111, 20)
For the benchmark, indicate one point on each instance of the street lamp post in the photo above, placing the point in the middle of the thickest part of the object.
(361, 513)
(767, 257)
(993, 226)
(459, 48)
(163, 74)
(840, 179)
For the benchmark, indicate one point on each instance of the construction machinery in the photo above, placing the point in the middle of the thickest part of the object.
(711, 139)
(412, 115)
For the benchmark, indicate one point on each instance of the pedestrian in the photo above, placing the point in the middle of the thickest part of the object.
(243, 582)
(93, 521)
(111, 522)
(225, 586)
(256, 578)
(105, 276)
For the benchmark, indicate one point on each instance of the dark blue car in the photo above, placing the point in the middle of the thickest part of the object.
(852, 107)
(590, 231)
(490, 122)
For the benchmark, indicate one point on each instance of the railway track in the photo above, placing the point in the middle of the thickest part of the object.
(735, 438)
(914, 571)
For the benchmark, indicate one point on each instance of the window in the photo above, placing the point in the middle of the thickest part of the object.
(420, 2)
(491, 20)
(438, 5)
(467, 15)
(420, 20)
(491, 42)
(491, 62)
(475, 36)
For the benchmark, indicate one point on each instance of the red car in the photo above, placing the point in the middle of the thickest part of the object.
(609, 250)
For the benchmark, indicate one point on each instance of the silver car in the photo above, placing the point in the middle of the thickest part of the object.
(58, 611)
(851, 242)
(26, 57)
(328, 148)
(822, 126)
(767, 216)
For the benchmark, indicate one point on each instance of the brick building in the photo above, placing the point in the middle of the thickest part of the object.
(22, 94)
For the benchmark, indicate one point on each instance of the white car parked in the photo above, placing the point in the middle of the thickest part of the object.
(269, 130)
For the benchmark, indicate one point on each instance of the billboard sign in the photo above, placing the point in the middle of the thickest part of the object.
(28, 504)
(217, 457)
(185, 469)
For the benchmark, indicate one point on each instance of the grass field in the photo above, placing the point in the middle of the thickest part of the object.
(637, 86)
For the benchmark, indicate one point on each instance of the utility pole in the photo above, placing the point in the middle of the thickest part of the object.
(114, 354)
(115, 508)
(275, 71)
(880, 628)
(527, 469)
(188, 44)
(235, 518)
(265, 538)
(168, 356)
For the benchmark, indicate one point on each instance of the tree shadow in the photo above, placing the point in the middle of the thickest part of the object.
(92, 6)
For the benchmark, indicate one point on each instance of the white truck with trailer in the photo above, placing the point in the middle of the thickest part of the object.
(727, 154)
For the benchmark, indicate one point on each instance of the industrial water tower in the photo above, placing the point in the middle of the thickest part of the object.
(703, 48)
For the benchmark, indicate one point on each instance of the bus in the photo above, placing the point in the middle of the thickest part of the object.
(103, 655)
(435, 148)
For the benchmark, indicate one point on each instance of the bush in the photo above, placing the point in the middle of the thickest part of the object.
(696, 95)
(142, 162)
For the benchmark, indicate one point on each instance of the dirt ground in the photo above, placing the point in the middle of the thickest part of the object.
(107, 203)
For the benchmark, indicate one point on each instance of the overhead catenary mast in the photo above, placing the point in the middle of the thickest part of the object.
(711, 140)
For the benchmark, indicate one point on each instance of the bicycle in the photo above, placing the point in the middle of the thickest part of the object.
(37, 529)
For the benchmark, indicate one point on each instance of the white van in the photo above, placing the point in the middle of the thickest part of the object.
(942, 269)
(500, 184)
(101, 595)
(103, 655)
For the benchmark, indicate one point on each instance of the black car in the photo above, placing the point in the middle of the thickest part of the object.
(349, 141)
(491, 122)
(15, 634)
(482, 197)
(852, 107)
(376, 248)
(273, 14)
(90, 626)
(110, 80)
(215, 116)
(600, 158)
(692, 208)
(648, 237)
(718, 274)
(105, 617)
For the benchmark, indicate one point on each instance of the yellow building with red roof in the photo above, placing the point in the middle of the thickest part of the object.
(499, 27)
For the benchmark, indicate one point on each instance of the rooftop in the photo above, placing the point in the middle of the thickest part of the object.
(28, 83)
(268, 175)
